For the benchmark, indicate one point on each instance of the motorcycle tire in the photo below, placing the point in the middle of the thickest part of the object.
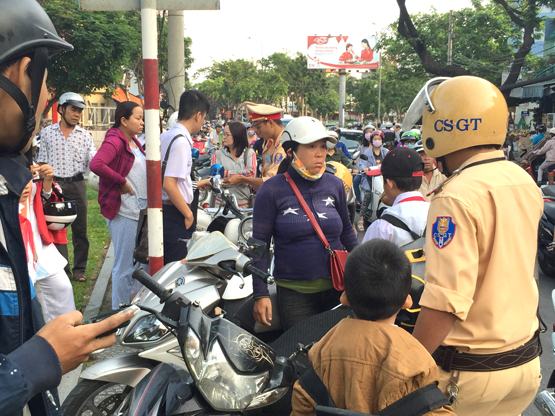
(546, 263)
(95, 397)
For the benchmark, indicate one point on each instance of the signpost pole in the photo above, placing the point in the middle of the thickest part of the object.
(176, 57)
(342, 94)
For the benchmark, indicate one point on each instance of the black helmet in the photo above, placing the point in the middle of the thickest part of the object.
(26, 30)
(540, 128)
(60, 214)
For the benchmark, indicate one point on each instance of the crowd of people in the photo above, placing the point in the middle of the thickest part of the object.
(469, 338)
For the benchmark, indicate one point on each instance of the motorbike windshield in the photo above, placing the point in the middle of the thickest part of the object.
(208, 245)
(422, 99)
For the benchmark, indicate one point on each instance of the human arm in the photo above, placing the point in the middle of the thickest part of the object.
(60, 346)
(171, 188)
(46, 173)
(348, 236)
(452, 257)
(100, 163)
(379, 229)
(91, 149)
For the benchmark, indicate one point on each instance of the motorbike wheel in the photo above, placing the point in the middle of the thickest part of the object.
(546, 263)
(91, 397)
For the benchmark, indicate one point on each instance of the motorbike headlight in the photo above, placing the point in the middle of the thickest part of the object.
(217, 380)
(245, 228)
(146, 329)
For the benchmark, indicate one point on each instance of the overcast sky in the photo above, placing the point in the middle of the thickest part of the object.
(252, 29)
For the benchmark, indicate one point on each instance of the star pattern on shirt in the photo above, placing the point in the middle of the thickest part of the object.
(329, 201)
(322, 215)
(290, 211)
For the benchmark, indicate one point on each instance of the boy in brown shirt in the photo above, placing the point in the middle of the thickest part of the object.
(367, 362)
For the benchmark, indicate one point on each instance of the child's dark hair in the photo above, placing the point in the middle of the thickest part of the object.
(407, 184)
(192, 102)
(377, 279)
(124, 110)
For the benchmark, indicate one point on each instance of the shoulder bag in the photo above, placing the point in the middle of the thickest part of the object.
(337, 257)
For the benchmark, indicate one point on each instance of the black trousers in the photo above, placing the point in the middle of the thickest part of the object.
(294, 306)
(77, 191)
(175, 234)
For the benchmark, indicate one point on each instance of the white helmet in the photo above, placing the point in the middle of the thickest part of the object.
(71, 98)
(172, 120)
(305, 130)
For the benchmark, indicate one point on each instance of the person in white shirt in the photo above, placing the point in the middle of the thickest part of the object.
(405, 220)
(177, 196)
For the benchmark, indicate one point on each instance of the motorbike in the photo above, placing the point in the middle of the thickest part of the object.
(374, 204)
(213, 277)
(234, 222)
(546, 244)
(545, 400)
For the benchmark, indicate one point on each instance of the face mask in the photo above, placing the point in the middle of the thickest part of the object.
(411, 145)
(303, 171)
(377, 143)
(368, 136)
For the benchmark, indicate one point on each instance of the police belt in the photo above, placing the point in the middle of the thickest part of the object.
(448, 358)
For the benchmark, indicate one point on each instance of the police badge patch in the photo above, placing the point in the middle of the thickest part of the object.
(443, 231)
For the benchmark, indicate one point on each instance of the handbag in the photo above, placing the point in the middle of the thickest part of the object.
(338, 258)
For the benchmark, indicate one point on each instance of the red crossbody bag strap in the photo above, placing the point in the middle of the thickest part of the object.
(307, 211)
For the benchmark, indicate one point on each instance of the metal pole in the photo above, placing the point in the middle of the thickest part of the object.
(342, 94)
(380, 91)
(450, 40)
(176, 57)
(152, 134)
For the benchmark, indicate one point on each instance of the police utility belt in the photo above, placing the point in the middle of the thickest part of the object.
(449, 359)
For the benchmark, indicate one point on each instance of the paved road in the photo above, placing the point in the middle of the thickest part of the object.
(547, 285)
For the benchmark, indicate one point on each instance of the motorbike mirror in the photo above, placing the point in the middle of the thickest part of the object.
(356, 155)
(256, 248)
(216, 182)
(195, 153)
(363, 157)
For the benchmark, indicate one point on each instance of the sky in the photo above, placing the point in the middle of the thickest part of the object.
(252, 29)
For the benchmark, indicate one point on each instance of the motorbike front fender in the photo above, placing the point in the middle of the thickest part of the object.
(126, 369)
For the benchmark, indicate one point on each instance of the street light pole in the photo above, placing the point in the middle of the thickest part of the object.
(380, 91)
(176, 57)
(342, 94)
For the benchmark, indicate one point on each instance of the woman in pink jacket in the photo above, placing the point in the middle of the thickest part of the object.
(121, 167)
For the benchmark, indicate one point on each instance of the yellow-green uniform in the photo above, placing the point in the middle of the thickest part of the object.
(272, 155)
(480, 254)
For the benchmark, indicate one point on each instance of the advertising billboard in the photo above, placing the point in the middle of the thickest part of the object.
(342, 52)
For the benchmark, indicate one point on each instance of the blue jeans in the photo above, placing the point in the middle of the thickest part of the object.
(124, 287)
(356, 185)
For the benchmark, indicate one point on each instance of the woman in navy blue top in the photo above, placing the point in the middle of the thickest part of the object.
(301, 264)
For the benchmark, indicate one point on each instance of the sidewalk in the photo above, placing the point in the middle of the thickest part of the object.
(92, 309)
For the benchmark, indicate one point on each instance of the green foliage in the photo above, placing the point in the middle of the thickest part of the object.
(484, 40)
(275, 79)
(107, 44)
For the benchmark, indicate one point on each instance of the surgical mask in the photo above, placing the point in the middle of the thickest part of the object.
(368, 136)
(411, 145)
(377, 143)
(301, 169)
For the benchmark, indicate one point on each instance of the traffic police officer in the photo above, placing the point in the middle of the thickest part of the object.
(266, 120)
(480, 300)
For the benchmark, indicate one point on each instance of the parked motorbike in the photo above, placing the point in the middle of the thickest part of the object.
(234, 222)
(546, 244)
(211, 278)
(545, 400)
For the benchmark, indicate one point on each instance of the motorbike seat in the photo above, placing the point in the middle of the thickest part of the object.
(549, 190)
(549, 210)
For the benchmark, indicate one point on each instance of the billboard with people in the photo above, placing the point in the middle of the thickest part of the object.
(342, 52)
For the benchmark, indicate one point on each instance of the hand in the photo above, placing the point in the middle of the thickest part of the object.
(45, 171)
(233, 180)
(127, 189)
(73, 342)
(203, 183)
(262, 311)
(189, 219)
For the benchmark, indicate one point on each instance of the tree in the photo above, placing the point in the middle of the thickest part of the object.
(107, 45)
(488, 38)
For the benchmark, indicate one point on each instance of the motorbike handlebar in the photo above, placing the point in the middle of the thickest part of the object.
(260, 274)
(155, 287)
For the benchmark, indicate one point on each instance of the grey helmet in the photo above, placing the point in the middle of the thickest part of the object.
(71, 98)
(26, 30)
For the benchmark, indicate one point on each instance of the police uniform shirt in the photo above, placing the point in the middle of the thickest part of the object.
(480, 255)
(272, 155)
